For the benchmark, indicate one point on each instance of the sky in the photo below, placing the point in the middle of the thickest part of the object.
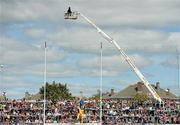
(147, 30)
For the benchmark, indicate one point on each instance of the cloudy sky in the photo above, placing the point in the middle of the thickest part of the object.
(148, 31)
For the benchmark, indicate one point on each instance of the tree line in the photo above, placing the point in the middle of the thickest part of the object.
(55, 91)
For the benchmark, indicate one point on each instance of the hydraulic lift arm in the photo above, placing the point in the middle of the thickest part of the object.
(128, 60)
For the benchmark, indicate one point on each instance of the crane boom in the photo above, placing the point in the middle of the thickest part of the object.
(127, 59)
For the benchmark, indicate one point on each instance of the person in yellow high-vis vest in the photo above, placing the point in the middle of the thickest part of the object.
(80, 115)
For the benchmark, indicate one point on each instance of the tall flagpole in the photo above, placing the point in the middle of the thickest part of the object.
(101, 88)
(178, 70)
(44, 111)
(1, 70)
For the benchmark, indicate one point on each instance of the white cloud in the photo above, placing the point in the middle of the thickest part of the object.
(11, 82)
(171, 62)
(62, 70)
(35, 33)
(78, 40)
(147, 13)
(174, 40)
(150, 41)
(17, 52)
(15, 86)
(37, 70)
(136, 41)
(112, 65)
(29, 10)
(159, 13)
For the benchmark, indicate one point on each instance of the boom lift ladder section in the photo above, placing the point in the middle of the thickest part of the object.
(127, 59)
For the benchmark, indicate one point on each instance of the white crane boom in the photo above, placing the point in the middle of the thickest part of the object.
(128, 60)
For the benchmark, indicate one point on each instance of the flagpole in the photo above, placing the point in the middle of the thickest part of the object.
(101, 87)
(178, 70)
(1, 70)
(44, 110)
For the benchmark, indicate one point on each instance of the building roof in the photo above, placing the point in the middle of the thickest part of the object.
(132, 90)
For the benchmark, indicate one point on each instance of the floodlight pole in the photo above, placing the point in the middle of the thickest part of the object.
(44, 108)
(178, 72)
(127, 59)
(101, 73)
(1, 70)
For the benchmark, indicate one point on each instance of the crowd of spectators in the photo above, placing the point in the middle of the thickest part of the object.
(113, 112)
(14, 112)
(119, 112)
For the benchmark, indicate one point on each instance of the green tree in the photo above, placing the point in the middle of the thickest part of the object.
(140, 97)
(55, 91)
